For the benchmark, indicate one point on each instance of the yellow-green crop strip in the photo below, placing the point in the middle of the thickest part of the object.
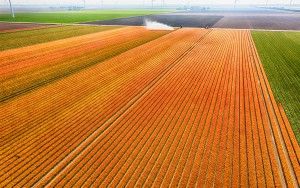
(21, 38)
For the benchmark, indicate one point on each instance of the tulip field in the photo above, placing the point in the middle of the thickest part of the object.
(20, 74)
(130, 107)
(17, 38)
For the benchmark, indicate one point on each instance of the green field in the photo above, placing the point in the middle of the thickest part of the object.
(75, 16)
(29, 37)
(280, 55)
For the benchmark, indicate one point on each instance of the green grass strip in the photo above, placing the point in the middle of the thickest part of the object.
(280, 56)
(76, 16)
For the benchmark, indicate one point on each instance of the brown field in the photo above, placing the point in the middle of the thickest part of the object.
(191, 108)
(253, 18)
(12, 27)
(264, 21)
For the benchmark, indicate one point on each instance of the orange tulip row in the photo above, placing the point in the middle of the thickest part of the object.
(191, 108)
(26, 69)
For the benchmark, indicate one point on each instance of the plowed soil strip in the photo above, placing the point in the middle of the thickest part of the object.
(192, 108)
(13, 27)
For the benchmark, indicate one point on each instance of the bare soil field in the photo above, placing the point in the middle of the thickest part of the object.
(9, 27)
(175, 21)
(191, 108)
(255, 19)
(269, 22)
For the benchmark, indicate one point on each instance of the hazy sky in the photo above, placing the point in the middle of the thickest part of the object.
(39, 2)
